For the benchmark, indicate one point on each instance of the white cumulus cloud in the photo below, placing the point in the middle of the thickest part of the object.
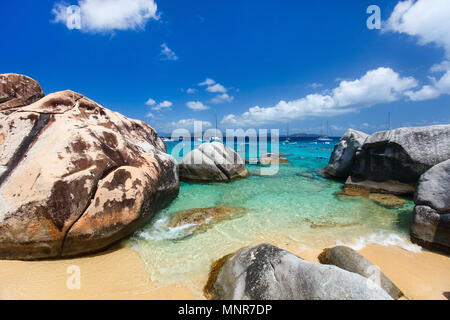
(207, 82)
(217, 88)
(196, 106)
(221, 98)
(429, 22)
(165, 105)
(103, 16)
(150, 102)
(381, 85)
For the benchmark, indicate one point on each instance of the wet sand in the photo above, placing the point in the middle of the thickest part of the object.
(121, 274)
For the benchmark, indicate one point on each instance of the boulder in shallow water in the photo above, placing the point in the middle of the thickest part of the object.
(17, 90)
(76, 177)
(212, 162)
(272, 159)
(431, 217)
(344, 153)
(348, 259)
(402, 154)
(265, 272)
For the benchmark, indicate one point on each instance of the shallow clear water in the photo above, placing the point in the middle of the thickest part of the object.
(287, 207)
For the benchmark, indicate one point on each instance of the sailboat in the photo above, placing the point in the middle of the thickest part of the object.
(215, 138)
(287, 134)
(325, 139)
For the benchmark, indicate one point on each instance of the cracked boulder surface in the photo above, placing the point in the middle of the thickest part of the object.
(212, 162)
(17, 90)
(265, 272)
(76, 177)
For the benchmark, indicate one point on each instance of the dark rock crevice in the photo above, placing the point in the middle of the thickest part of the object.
(91, 199)
(42, 122)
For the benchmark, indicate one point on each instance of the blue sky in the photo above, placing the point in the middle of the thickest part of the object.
(257, 64)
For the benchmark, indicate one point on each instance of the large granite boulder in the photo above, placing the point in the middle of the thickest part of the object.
(344, 152)
(76, 177)
(431, 217)
(348, 259)
(212, 162)
(265, 272)
(17, 90)
(400, 157)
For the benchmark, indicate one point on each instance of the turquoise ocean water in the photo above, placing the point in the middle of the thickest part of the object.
(297, 206)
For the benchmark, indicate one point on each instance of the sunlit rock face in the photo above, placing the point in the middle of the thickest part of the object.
(76, 177)
(265, 272)
(17, 90)
(212, 162)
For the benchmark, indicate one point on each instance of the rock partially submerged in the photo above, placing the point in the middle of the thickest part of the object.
(272, 159)
(77, 177)
(327, 224)
(431, 217)
(212, 162)
(348, 259)
(265, 272)
(17, 90)
(383, 199)
(344, 153)
(307, 175)
(387, 187)
(201, 218)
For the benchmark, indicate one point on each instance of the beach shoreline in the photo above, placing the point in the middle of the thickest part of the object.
(120, 274)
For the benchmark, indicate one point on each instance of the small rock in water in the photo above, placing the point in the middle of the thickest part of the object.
(382, 199)
(387, 200)
(272, 158)
(305, 175)
(329, 224)
(202, 218)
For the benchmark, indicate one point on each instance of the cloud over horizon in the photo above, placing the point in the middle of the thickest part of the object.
(381, 85)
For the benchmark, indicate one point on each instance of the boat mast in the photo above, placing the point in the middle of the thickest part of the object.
(389, 121)
(216, 124)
